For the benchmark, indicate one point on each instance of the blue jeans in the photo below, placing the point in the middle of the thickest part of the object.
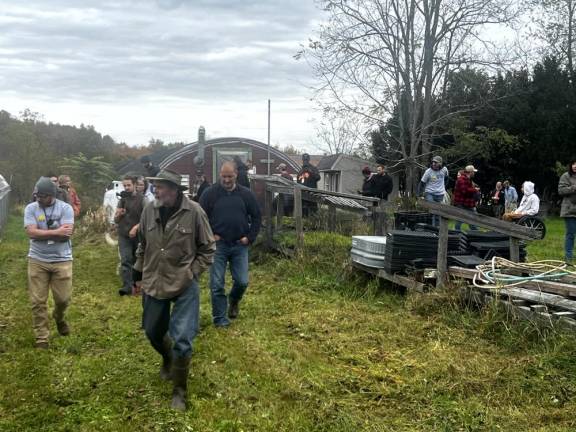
(237, 255)
(127, 247)
(569, 239)
(439, 198)
(458, 226)
(181, 325)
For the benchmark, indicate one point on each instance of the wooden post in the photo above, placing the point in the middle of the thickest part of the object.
(442, 256)
(279, 211)
(331, 218)
(376, 219)
(379, 218)
(383, 216)
(268, 218)
(514, 249)
(298, 223)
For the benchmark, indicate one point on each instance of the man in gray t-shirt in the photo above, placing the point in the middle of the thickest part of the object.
(49, 223)
(433, 184)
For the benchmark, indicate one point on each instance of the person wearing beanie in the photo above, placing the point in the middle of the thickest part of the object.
(49, 223)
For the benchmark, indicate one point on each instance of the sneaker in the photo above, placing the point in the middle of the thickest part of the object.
(63, 328)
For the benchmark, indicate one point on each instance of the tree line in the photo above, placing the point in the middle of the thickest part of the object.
(31, 148)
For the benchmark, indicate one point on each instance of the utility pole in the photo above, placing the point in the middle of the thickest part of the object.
(268, 159)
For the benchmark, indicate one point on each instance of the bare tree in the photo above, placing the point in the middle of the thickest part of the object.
(375, 58)
(556, 25)
(340, 133)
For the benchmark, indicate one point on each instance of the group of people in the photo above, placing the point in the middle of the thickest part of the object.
(169, 239)
(378, 184)
(503, 199)
(467, 194)
(165, 245)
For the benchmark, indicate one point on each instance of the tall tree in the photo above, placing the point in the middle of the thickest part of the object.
(556, 27)
(374, 57)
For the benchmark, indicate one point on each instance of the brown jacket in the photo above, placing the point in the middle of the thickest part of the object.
(171, 258)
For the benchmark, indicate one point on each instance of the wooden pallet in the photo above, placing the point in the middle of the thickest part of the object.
(531, 301)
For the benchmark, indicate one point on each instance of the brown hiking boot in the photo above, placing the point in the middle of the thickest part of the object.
(63, 328)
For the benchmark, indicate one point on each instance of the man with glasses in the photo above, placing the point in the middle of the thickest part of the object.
(49, 224)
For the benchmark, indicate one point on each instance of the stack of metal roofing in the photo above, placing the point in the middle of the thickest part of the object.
(454, 237)
(403, 247)
(368, 250)
(489, 244)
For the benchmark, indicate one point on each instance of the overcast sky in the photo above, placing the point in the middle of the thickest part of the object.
(161, 68)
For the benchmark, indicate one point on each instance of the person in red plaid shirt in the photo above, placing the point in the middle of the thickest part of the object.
(466, 193)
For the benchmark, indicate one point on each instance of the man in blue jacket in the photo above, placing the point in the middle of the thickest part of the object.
(235, 219)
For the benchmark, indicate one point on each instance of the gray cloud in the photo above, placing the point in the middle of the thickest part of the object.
(106, 51)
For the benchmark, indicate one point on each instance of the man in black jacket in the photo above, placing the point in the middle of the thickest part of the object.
(242, 170)
(235, 219)
(383, 184)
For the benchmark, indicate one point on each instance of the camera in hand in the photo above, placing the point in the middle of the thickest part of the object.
(124, 194)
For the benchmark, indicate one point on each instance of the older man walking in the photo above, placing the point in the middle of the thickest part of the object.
(175, 246)
(235, 220)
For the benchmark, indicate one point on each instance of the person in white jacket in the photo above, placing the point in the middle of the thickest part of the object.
(529, 206)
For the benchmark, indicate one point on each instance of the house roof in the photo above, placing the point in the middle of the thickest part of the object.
(330, 163)
(327, 162)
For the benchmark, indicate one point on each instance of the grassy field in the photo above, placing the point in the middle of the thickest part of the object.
(317, 348)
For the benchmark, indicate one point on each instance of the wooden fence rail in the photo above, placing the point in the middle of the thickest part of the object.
(447, 212)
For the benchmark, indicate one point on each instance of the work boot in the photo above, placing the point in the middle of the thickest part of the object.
(63, 328)
(234, 309)
(41, 345)
(180, 367)
(165, 372)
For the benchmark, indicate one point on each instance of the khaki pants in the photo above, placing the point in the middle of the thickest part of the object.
(42, 278)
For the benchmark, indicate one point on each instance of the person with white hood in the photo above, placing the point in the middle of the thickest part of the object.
(529, 206)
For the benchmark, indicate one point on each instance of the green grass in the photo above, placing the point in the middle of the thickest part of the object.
(317, 348)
